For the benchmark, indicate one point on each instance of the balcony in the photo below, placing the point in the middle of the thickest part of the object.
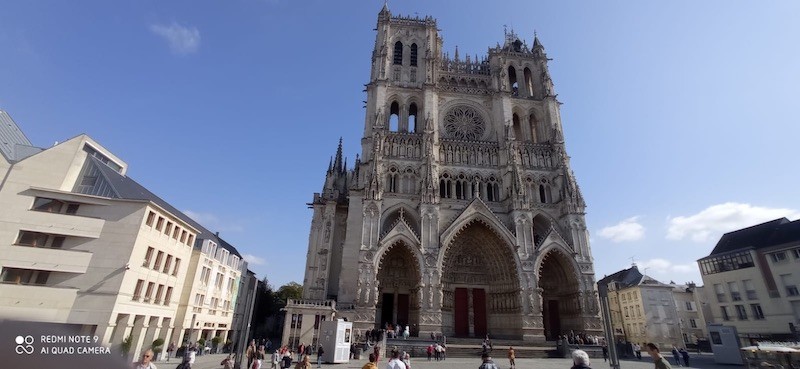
(54, 260)
(36, 303)
(68, 225)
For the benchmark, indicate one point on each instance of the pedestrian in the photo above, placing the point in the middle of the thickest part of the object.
(320, 351)
(189, 356)
(676, 355)
(638, 350)
(146, 361)
(580, 360)
(659, 360)
(276, 357)
(258, 358)
(377, 352)
(371, 363)
(406, 332)
(685, 355)
(227, 363)
(444, 351)
(304, 363)
(251, 353)
(395, 362)
(487, 362)
(430, 351)
(437, 351)
(170, 349)
(605, 353)
(300, 350)
(511, 357)
(406, 358)
(287, 359)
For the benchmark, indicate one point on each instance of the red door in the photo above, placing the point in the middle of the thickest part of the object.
(479, 311)
(461, 312)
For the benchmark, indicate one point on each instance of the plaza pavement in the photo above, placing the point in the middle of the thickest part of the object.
(703, 361)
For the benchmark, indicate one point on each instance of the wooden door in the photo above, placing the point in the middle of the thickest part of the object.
(479, 311)
(461, 312)
(403, 304)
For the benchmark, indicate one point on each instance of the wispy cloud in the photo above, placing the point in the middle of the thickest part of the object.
(664, 267)
(715, 220)
(254, 260)
(213, 223)
(625, 231)
(181, 40)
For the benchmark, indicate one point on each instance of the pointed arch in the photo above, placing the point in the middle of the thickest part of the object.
(476, 211)
(412, 118)
(392, 214)
(528, 78)
(394, 116)
(414, 55)
(512, 80)
(398, 53)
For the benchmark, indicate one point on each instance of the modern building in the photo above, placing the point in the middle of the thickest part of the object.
(642, 309)
(461, 216)
(752, 279)
(82, 244)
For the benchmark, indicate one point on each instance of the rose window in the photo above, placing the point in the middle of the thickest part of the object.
(464, 123)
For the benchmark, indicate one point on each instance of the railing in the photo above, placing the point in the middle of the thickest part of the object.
(312, 303)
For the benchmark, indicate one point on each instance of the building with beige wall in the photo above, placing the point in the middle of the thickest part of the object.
(688, 303)
(84, 245)
(752, 281)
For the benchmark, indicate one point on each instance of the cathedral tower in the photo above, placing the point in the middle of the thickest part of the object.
(461, 216)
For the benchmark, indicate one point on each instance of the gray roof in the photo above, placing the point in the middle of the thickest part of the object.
(126, 188)
(14, 146)
(765, 235)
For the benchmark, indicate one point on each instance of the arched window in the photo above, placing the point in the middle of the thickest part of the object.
(512, 80)
(413, 55)
(534, 129)
(391, 181)
(517, 128)
(528, 81)
(445, 191)
(492, 190)
(542, 197)
(408, 184)
(412, 118)
(461, 187)
(394, 117)
(398, 53)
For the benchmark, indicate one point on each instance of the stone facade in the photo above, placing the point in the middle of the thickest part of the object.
(461, 216)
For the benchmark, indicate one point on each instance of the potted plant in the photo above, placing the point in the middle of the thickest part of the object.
(157, 348)
(126, 346)
(215, 343)
(201, 345)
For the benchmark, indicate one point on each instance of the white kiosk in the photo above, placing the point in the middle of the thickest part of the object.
(725, 344)
(335, 337)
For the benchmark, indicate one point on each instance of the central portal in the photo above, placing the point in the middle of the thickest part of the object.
(480, 286)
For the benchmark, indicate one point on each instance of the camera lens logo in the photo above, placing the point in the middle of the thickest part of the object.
(24, 345)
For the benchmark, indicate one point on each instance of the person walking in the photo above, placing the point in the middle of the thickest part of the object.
(429, 351)
(146, 361)
(304, 363)
(605, 353)
(511, 357)
(395, 362)
(580, 360)
(406, 332)
(227, 363)
(685, 355)
(487, 362)
(301, 349)
(188, 357)
(659, 360)
(170, 349)
(276, 357)
(371, 364)
(251, 353)
(676, 355)
(320, 352)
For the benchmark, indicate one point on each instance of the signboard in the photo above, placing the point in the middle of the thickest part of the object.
(335, 337)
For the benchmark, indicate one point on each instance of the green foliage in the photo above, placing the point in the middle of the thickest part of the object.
(201, 342)
(126, 345)
(291, 290)
(216, 340)
(157, 345)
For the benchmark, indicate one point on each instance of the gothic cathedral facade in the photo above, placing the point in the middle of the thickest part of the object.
(461, 216)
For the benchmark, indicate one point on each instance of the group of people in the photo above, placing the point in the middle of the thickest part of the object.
(397, 330)
(580, 338)
(437, 351)
(282, 357)
(189, 354)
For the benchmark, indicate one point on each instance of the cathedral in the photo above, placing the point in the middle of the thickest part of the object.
(461, 216)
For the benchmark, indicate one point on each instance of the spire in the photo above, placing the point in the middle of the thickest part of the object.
(330, 165)
(385, 9)
(337, 164)
(536, 43)
(456, 57)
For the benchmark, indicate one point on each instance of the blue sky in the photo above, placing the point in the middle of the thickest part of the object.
(680, 117)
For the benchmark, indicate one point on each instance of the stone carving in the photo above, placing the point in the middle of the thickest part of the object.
(327, 231)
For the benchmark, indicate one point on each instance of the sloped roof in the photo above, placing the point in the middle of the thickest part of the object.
(773, 233)
(624, 278)
(14, 145)
(127, 188)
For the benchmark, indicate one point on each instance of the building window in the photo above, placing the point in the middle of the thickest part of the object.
(151, 217)
(392, 182)
(159, 257)
(149, 293)
(724, 263)
(176, 232)
(159, 291)
(159, 223)
(720, 291)
(413, 55)
(167, 264)
(750, 289)
(37, 239)
(51, 206)
(757, 312)
(177, 265)
(220, 278)
(791, 288)
(183, 236)
(147, 256)
(734, 288)
(137, 292)
(626, 311)
(168, 229)
(778, 257)
(168, 296)
(190, 242)
(693, 323)
(724, 310)
(741, 312)
(24, 276)
(796, 253)
(398, 53)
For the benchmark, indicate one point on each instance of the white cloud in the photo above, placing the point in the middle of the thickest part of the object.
(713, 221)
(254, 260)
(665, 270)
(627, 230)
(212, 222)
(182, 40)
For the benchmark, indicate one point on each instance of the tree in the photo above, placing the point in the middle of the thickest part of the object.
(291, 290)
